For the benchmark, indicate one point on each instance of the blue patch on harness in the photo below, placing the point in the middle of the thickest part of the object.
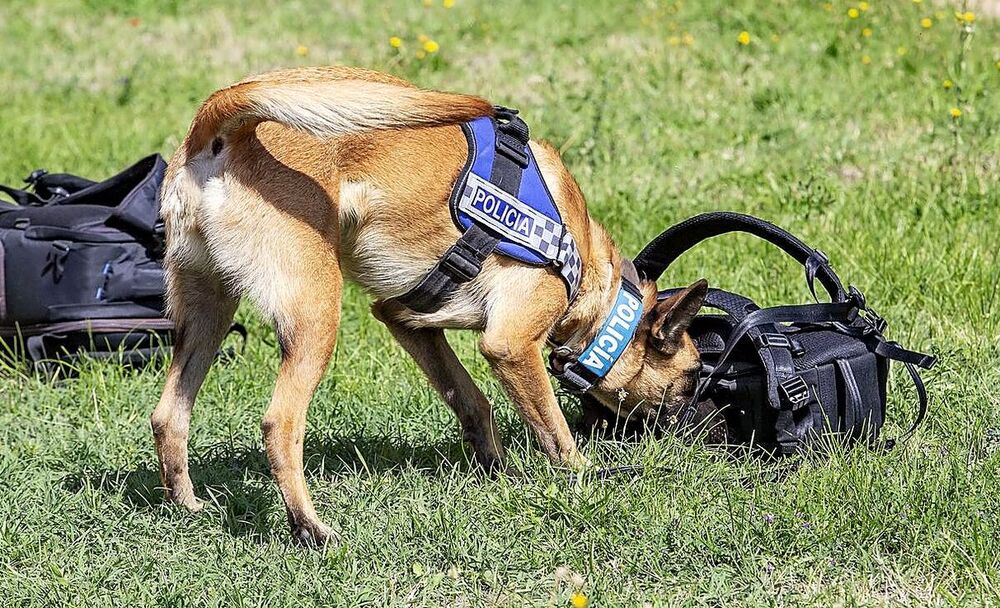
(532, 215)
(615, 335)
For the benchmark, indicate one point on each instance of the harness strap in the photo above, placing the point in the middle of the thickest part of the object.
(463, 261)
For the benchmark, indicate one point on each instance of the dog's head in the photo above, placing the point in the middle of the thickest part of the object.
(658, 372)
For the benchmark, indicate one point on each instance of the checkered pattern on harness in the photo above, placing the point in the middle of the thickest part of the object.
(547, 237)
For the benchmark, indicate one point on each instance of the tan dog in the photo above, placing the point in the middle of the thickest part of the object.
(290, 181)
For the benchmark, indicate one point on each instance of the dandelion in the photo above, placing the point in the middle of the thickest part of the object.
(926, 23)
(687, 39)
(743, 38)
(955, 112)
(853, 13)
(423, 38)
(579, 600)
(902, 51)
(447, 3)
(301, 50)
(395, 42)
(428, 3)
(865, 59)
(431, 47)
(998, 64)
(863, 6)
(673, 40)
(969, 17)
(867, 32)
(947, 84)
(916, 1)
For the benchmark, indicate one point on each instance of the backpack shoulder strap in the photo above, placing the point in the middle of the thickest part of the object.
(662, 251)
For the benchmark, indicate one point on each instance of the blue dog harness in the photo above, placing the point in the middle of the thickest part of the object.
(501, 204)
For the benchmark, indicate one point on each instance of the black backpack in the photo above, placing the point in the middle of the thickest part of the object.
(80, 268)
(782, 378)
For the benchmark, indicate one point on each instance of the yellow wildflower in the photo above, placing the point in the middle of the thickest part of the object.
(955, 112)
(395, 42)
(579, 600)
(865, 59)
(901, 51)
(687, 39)
(998, 64)
(743, 38)
(447, 3)
(301, 50)
(431, 47)
(867, 32)
(947, 83)
(926, 23)
(423, 38)
(916, 1)
(673, 40)
(853, 13)
(969, 17)
(420, 54)
(828, 6)
(428, 3)
(863, 6)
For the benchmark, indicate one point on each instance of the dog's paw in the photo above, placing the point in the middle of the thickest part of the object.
(316, 535)
(577, 462)
(188, 501)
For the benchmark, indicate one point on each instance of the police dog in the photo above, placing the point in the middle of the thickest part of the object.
(290, 182)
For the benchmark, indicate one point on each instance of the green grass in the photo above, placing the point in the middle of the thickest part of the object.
(861, 160)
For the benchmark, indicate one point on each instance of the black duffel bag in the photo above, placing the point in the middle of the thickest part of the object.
(782, 378)
(80, 268)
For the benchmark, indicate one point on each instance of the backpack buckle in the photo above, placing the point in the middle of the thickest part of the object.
(775, 340)
(796, 391)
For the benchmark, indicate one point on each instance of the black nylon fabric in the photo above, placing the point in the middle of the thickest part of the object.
(90, 251)
(787, 377)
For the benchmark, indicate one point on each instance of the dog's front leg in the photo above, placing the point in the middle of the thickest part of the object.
(521, 370)
(512, 343)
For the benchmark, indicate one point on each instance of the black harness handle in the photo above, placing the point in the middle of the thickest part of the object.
(662, 251)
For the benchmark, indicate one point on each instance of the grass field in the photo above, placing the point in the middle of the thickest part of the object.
(833, 120)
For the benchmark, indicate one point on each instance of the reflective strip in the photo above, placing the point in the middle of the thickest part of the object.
(514, 220)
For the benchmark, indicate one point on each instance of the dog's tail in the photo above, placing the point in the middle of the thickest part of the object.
(328, 102)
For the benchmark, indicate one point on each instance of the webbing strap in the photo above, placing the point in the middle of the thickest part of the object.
(842, 312)
(463, 261)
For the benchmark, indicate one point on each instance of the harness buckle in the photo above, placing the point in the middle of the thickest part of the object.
(457, 263)
(796, 391)
(513, 151)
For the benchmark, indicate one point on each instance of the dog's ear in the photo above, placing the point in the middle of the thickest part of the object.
(672, 317)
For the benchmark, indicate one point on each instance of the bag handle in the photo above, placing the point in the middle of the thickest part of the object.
(662, 251)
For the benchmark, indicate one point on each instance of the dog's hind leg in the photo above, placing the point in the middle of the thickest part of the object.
(435, 357)
(202, 310)
(307, 334)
